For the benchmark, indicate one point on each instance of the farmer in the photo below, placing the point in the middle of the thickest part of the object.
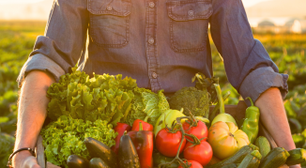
(161, 44)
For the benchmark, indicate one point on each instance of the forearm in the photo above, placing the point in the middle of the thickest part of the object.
(32, 108)
(274, 118)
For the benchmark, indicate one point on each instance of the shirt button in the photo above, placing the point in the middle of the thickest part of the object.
(151, 4)
(151, 40)
(109, 8)
(154, 75)
(190, 13)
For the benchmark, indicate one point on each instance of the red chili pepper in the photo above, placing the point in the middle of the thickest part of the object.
(143, 142)
(120, 128)
(146, 126)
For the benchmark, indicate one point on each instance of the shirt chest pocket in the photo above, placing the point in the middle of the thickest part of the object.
(189, 24)
(109, 22)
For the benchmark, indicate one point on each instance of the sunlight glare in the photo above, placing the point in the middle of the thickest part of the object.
(248, 3)
(18, 1)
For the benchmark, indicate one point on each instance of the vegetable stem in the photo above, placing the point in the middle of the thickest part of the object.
(140, 126)
(219, 94)
(193, 119)
(196, 140)
(146, 119)
(217, 106)
(252, 104)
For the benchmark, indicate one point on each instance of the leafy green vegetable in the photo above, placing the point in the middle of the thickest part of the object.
(147, 106)
(8, 123)
(206, 84)
(6, 100)
(195, 99)
(6, 147)
(65, 137)
(190, 98)
(105, 97)
(4, 119)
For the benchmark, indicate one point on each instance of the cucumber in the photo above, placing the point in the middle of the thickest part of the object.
(100, 150)
(275, 158)
(97, 163)
(231, 165)
(75, 161)
(251, 160)
(128, 157)
(263, 145)
(236, 158)
(254, 147)
(297, 156)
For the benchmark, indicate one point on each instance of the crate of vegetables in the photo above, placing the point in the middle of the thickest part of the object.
(234, 110)
(107, 121)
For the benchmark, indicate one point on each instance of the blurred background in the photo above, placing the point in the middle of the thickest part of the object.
(279, 24)
(275, 16)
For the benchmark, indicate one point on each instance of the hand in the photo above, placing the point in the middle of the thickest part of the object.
(24, 159)
(295, 166)
(292, 166)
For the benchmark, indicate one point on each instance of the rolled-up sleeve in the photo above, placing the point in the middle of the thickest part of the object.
(248, 66)
(64, 41)
(42, 63)
(260, 80)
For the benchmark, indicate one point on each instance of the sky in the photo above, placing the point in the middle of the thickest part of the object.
(247, 3)
(18, 1)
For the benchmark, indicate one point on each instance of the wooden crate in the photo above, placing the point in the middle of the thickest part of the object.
(237, 111)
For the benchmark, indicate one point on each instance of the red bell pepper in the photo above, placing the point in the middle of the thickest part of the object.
(120, 128)
(143, 142)
(146, 126)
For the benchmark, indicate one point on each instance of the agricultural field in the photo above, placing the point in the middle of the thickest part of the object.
(17, 39)
(16, 42)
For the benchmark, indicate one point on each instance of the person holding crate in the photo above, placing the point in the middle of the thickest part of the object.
(161, 44)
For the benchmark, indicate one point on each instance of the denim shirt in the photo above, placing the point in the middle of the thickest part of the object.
(160, 43)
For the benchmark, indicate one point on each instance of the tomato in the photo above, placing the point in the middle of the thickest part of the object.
(200, 131)
(194, 164)
(167, 118)
(201, 153)
(167, 143)
(226, 139)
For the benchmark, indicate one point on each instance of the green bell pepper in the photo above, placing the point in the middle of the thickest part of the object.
(251, 121)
